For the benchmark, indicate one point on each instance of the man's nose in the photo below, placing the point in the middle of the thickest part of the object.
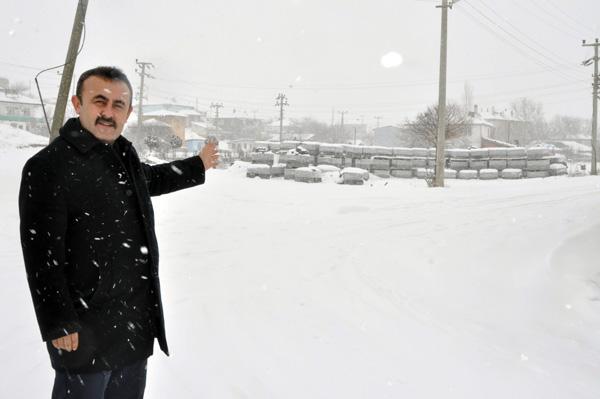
(107, 112)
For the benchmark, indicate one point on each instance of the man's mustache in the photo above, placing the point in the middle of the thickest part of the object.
(106, 120)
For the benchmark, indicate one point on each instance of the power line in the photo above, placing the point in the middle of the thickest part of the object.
(523, 33)
(508, 42)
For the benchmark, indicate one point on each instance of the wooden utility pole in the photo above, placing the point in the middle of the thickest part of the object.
(143, 74)
(341, 124)
(281, 102)
(216, 106)
(595, 44)
(440, 164)
(67, 75)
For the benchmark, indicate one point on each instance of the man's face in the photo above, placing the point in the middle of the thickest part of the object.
(104, 107)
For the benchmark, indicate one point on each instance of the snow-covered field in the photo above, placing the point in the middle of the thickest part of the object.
(277, 289)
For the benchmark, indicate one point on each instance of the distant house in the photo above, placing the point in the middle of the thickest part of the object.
(480, 130)
(506, 127)
(179, 117)
(20, 111)
(193, 141)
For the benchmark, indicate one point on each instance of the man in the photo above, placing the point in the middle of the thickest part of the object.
(90, 250)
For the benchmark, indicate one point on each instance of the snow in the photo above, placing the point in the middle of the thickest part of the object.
(11, 138)
(277, 289)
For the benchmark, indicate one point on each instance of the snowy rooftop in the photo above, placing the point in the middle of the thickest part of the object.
(21, 99)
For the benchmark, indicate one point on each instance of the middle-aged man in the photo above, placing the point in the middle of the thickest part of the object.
(90, 250)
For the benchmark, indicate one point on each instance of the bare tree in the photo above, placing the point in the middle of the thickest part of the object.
(424, 128)
(532, 112)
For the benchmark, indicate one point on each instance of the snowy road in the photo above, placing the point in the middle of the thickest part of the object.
(275, 289)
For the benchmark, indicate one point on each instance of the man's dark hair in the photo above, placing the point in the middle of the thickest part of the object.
(104, 72)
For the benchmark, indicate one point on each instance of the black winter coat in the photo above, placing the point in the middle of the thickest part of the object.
(90, 250)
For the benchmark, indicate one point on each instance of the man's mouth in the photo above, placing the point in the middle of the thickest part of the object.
(106, 122)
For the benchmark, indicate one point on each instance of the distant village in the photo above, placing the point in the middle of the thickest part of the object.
(174, 130)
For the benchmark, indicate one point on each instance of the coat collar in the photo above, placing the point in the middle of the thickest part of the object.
(83, 140)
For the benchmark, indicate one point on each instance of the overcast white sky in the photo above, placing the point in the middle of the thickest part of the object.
(322, 54)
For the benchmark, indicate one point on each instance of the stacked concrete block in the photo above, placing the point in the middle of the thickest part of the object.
(336, 150)
(330, 160)
(538, 162)
(373, 151)
(467, 174)
(450, 174)
(557, 169)
(424, 173)
(289, 173)
(289, 145)
(403, 163)
(458, 159)
(259, 170)
(277, 170)
(365, 164)
(308, 175)
(354, 175)
(402, 152)
(516, 158)
(488, 174)
(381, 163)
(402, 173)
(296, 161)
(512, 173)
(353, 151)
(479, 158)
(262, 158)
(497, 163)
(534, 174)
(418, 162)
(498, 158)
(311, 147)
(347, 161)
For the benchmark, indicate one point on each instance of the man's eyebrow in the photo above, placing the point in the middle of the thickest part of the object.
(100, 97)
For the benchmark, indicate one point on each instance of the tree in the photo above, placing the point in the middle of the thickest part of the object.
(532, 112)
(563, 127)
(424, 128)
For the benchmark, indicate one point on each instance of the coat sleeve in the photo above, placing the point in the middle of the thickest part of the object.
(43, 214)
(177, 175)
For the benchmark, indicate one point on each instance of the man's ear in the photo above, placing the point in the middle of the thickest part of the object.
(76, 103)
(129, 112)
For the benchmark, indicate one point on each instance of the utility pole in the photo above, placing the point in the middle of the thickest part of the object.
(341, 123)
(595, 44)
(67, 75)
(440, 164)
(143, 74)
(378, 118)
(216, 106)
(281, 102)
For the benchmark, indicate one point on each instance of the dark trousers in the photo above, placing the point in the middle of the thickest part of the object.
(126, 383)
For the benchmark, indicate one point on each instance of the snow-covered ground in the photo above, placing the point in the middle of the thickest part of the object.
(277, 289)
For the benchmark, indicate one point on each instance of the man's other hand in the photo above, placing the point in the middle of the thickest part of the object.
(68, 343)
(209, 155)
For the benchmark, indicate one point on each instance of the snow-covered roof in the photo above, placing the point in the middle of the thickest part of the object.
(190, 135)
(19, 99)
(481, 121)
(164, 112)
(155, 122)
